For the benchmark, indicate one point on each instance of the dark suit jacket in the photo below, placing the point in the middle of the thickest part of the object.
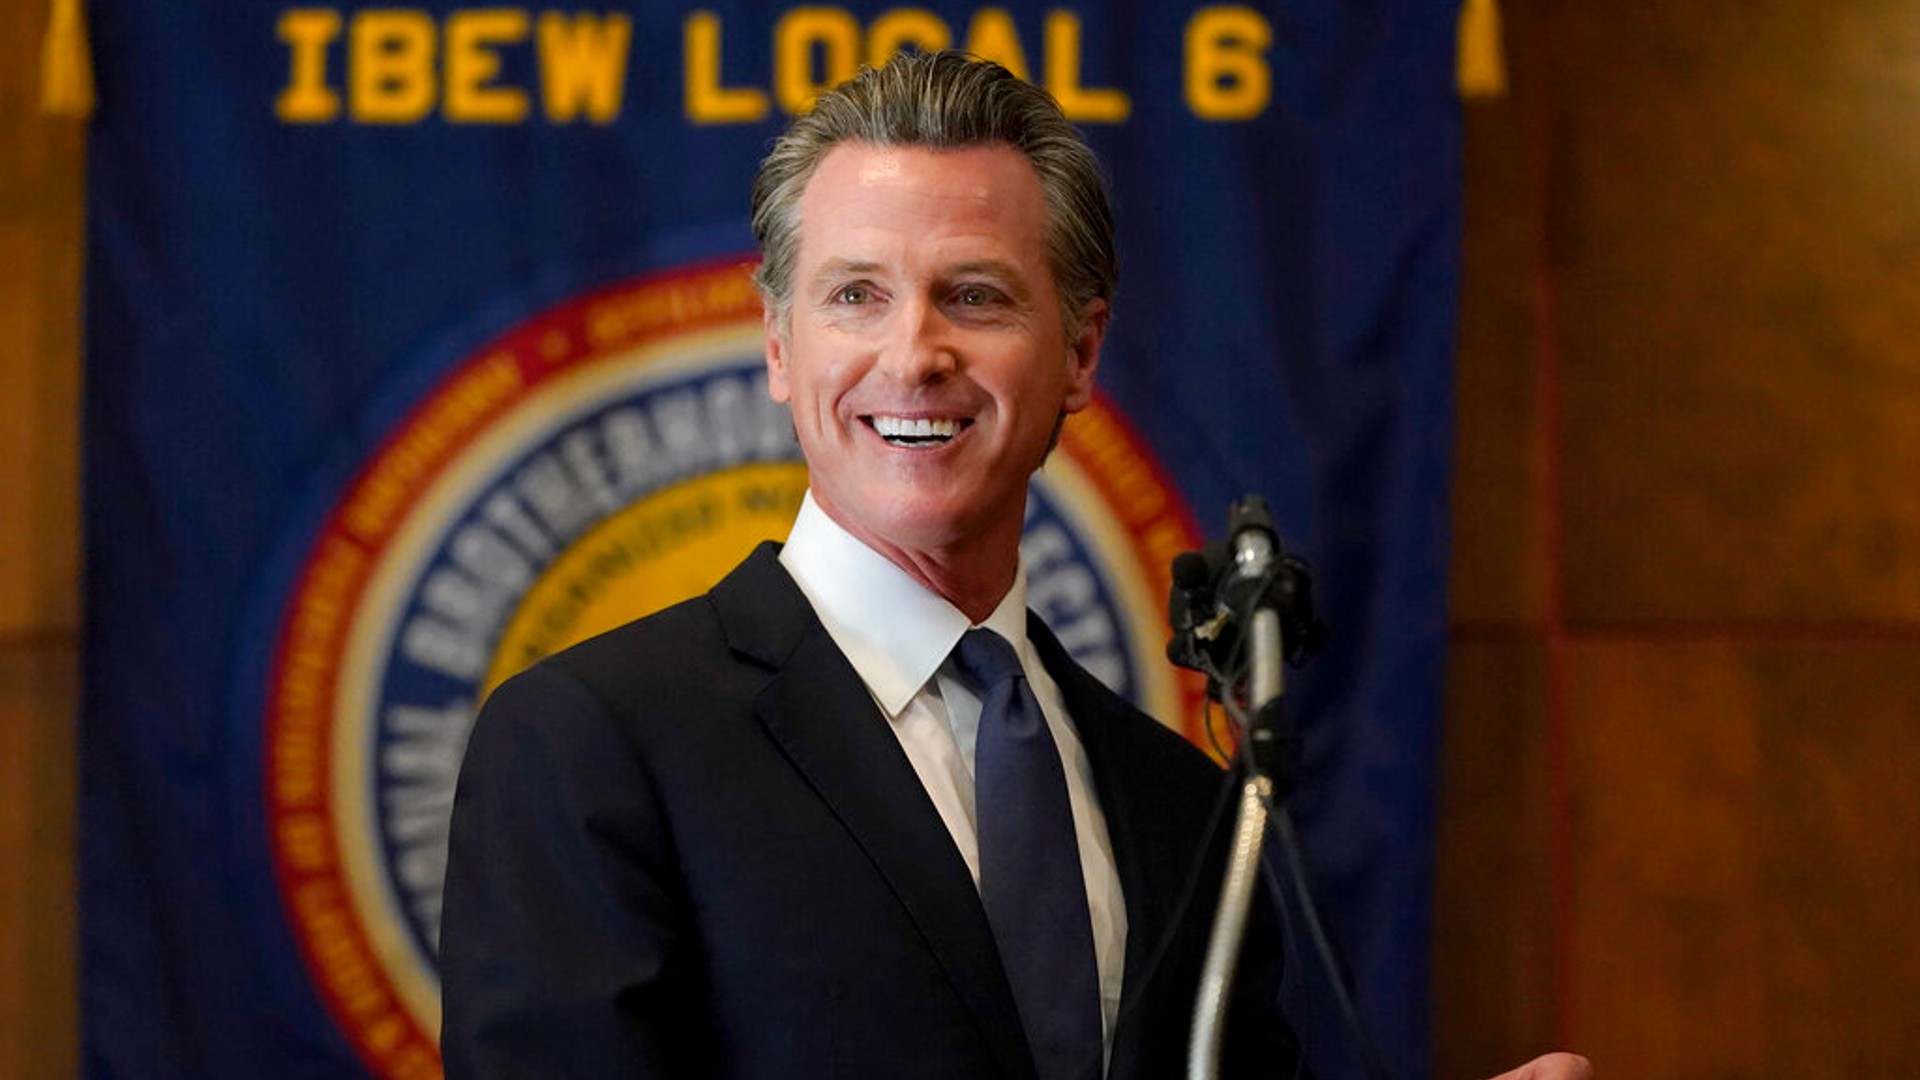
(690, 847)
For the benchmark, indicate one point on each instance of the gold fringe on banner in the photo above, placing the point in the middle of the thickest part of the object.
(66, 63)
(1480, 68)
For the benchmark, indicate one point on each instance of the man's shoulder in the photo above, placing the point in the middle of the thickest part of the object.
(686, 630)
(684, 645)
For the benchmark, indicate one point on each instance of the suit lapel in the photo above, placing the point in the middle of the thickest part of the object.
(818, 711)
(1147, 857)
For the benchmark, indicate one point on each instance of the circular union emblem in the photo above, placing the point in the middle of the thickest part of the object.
(606, 458)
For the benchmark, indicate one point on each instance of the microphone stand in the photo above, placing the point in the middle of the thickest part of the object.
(1254, 563)
(1241, 610)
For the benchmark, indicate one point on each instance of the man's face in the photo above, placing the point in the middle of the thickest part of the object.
(925, 356)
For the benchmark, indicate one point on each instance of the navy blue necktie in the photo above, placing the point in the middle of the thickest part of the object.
(1030, 879)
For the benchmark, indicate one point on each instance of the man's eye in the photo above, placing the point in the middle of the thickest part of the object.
(852, 294)
(974, 296)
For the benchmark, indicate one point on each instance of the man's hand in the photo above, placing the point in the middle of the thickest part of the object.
(1552, 1067)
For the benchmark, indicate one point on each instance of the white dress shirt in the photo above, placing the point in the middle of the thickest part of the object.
(898, 636)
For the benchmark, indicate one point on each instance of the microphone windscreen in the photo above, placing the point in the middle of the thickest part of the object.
(1190, 571)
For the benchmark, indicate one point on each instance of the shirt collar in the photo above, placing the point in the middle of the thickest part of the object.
(894, 631)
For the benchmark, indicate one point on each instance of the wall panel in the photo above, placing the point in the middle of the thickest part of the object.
(1724, 342)
(1493, 901)
(1745, 816)
(1736, 251)
(1500, 569)
(38, 1011)
(39, 364)
(40, 252)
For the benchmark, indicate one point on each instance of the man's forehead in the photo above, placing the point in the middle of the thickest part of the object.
(870, 164)
(990, 192)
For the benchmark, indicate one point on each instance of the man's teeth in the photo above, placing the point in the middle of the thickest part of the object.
(915, 432)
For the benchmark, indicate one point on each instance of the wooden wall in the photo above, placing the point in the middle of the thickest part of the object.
(40, 186)
(1680, 790)
(1683, 770)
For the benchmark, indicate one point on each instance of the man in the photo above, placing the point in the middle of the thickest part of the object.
(854, 813)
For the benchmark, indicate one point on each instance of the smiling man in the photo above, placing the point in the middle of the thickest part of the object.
(927, 357)
(854, 813)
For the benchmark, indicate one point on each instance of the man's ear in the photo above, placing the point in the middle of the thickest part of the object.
(1083, 355)
(776, 340)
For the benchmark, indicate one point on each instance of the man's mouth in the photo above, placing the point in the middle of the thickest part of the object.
(914, 432)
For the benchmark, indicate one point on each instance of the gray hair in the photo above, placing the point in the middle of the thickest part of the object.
(944, 100)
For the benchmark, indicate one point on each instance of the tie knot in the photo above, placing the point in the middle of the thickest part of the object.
(986, 659)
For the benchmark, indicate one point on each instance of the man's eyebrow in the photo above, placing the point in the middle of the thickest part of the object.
(840, 266)
(1002, 272)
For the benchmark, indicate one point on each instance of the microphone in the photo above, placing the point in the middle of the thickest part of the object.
(1190, 610)
(1216, 590)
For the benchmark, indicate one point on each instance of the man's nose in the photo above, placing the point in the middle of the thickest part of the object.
(922, 348)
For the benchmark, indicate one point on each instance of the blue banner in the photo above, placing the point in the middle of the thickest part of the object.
(420, 343)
